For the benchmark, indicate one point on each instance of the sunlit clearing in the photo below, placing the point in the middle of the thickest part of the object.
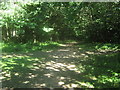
(47, 29)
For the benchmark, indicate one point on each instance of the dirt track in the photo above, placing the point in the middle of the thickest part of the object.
(58, 69)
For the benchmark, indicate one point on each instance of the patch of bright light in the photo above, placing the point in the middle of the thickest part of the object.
(26, 82)
(32, 76)
(71, 66)
(47, 29)
(1, 77)
(74, 85)
(36, 67)
(16, 74)
(51, 68)
(88, 52)
(86, 84)
(62, 50)
(48, 75)
(42, 84)
(60, 83)
(62, 45)
(62, 78)
(49, 51)
(55, 57)
(74, 52)
(65, 57)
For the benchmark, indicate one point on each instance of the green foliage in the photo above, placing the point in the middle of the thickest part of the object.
(110, 75)
(100, 46)
(103, 69)
(12, 47)
(96, 22)
(107, 46)
(17, 67)
(104, 64)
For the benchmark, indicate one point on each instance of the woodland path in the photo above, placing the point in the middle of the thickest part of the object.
(57, 69)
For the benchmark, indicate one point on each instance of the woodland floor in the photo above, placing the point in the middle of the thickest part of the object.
(68, 66)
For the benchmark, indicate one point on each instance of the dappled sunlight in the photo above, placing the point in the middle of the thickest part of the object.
(26, 82)
(59, 45)
(71, 85)
(48, 75)
(55, 56)
(14, 55)
(64, 50)
(87, 85)
(56, 66)
(37, 69)
(63, 45)
(32, 76)
(84, 55)
(52, 68)
(61, 83)
(49, 51)
(64, 67)
(88, 52)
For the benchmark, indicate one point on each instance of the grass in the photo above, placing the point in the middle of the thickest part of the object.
(15, 70)
(99, 46)
(103, 65)
(12, 47)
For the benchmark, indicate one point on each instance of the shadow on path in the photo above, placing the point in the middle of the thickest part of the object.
(65, 67)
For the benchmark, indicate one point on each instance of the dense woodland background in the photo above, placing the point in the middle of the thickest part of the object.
(54, 21)
(35, 33)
